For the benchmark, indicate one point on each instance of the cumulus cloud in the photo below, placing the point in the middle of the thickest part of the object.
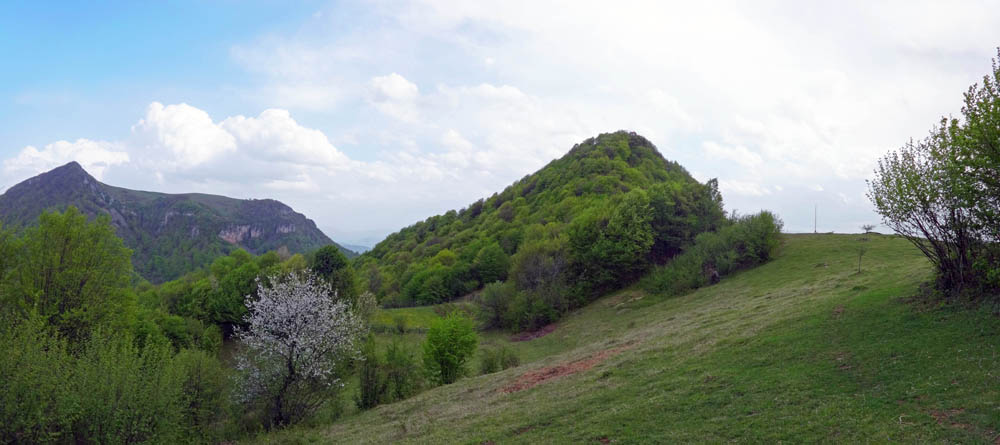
(274, 136)
(94, 156)
(180, 137)
(395, 96)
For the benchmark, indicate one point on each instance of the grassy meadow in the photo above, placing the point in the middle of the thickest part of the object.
(803, 349)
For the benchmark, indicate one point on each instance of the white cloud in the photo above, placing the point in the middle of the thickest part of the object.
(739, 155)
(395, 96)
(744, 188)
(274, 136)
(180, 137)
(394, 88)
(94, 156)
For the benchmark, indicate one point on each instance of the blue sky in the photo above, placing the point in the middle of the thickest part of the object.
(368, 116)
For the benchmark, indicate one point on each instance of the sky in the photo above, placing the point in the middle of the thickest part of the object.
(368, 116)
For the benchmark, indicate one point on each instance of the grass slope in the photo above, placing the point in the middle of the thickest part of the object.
(801, 349)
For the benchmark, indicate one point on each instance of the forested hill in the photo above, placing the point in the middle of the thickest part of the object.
(170, 234)
(581, 198)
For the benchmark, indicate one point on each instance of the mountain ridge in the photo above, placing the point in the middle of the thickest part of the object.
(170, 234)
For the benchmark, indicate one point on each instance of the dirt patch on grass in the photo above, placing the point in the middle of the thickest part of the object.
(539, 376)
(624, 298)
(944, 418)
(527, 336)
(838, 311)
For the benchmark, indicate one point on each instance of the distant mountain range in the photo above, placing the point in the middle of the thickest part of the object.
(356, 248)
(170, 234)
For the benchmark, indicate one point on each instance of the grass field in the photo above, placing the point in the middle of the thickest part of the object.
(802, 349)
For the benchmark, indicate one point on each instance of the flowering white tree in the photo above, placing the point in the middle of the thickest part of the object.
(296, 335)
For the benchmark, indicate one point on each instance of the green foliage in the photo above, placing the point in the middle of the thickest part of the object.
(74, 273)
(494, 304)
(541, 275)
(373, 385)
(611, 247)
(624, 206)
(491, 263)
(330, 264)
(402, 372)
(497, 359)
(35, 406)
(745, 242)
(386, 378)
(449, 344)
(941, 193)
(206, 394)
(111, 391)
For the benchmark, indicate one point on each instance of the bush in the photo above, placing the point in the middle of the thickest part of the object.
(386, 379)
(449, 344)
(940, 193)
(205, 389)
(372, 378)
(745, 242)
(35, 404)
(497, 359)
(399, 322)
(494, 304)
(403, 378)
(124, 393)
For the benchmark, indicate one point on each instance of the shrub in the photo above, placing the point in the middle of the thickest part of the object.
(386, 379)
(372, 378)
(745, 242)
(494, 304)
(940, 193)
(449, 344)
(399, 322)
(124, 393)
(34, 402)
(403, 378)
(205, 389)
(497, 359)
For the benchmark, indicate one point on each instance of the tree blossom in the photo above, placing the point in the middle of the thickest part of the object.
(296, 334)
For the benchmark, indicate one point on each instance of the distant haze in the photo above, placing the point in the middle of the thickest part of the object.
(370, 116)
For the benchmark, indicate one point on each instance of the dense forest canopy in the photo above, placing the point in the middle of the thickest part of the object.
(609, 208)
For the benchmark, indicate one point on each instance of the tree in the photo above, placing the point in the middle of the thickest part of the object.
(75, 273)
(977, 142)
(449, 345)
(609, 247)
(917, 194)
(296, 336)
(330, 264)
(492, 263)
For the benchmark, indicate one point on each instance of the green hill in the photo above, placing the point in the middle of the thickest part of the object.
(169, 234)
(801, 349)
(447, 256)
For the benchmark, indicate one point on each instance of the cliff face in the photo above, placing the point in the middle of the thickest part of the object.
(170, 234)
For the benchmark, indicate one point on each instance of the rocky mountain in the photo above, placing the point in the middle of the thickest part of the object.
(170, 234)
